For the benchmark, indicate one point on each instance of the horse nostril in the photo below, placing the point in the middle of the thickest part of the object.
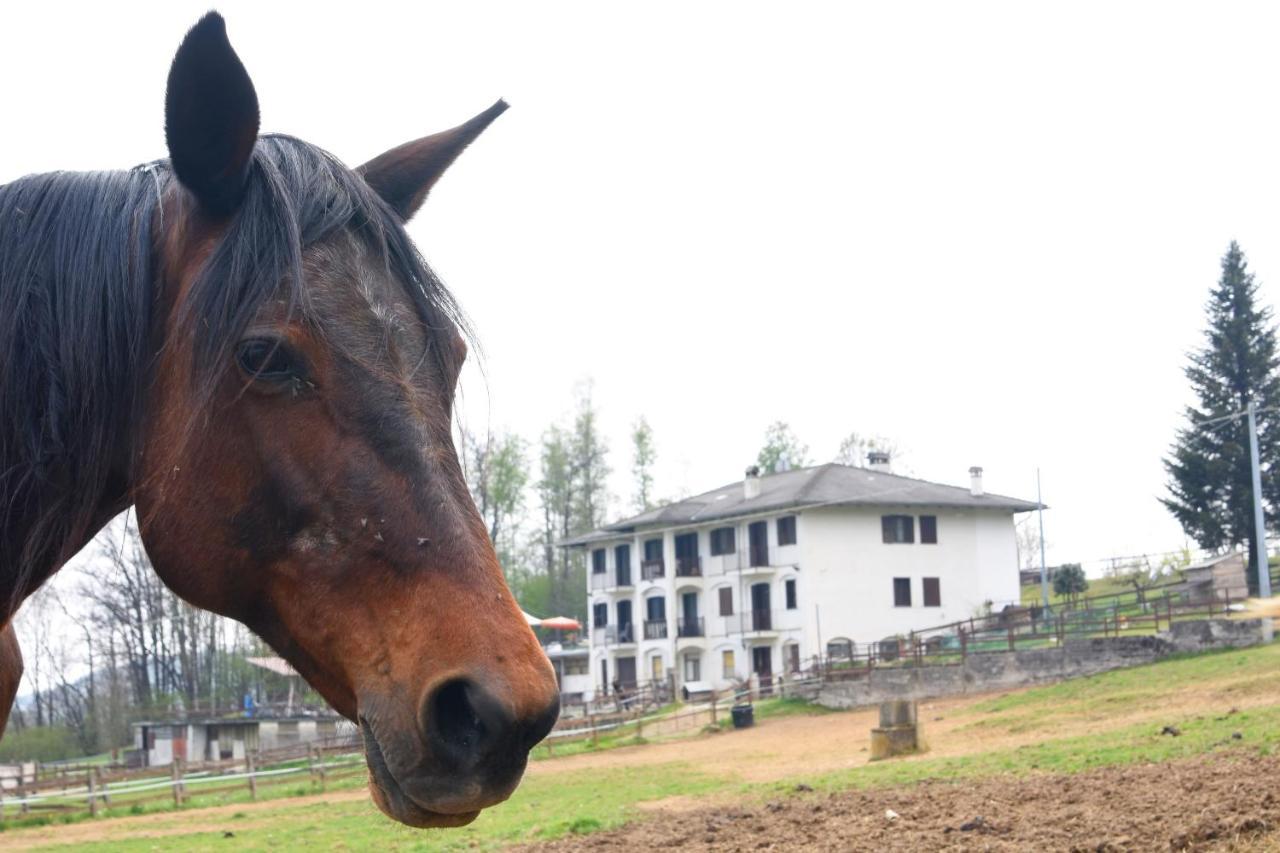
(455, 723)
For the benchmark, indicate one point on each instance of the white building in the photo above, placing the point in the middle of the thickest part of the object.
(758, 576)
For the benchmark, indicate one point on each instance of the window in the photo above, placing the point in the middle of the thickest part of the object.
(727, 669)
(601, 615)
(622, 564)
(929, 529)
(575, 666)
(652, 549)
(932, 592)
(902, 592)
(597, 561)
(791, 593)
(840, 648)
(692, 668)
(787, 530)
(722, 541)
(686, 545)
(898, 529)
(726, 601)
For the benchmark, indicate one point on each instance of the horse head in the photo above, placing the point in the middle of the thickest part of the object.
(296, 469)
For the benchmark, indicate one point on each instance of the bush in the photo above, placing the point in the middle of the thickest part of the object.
(39, 743)
(1069, 580)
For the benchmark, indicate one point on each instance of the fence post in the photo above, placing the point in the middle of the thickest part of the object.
(713, 707)
(103, 788)
(595, 735)
(93, 793)
(1011, 637)
(253, 782)
(320, 768)
(175, 781)
(964, 644)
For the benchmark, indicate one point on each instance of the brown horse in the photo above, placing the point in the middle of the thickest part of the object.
(243, 342)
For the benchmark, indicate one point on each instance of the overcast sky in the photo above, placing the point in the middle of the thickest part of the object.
(986, 231)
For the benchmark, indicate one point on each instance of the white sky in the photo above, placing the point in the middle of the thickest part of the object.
(984, 230)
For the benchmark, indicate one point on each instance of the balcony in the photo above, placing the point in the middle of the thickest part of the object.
(599, 580)
(762, 621)
(616, 635)
(688, 567)
(624, 576)
(653, 569)
(759, 556)
(655, 630)
(690, 626)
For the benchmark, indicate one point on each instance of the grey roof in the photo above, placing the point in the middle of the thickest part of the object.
(822, 485)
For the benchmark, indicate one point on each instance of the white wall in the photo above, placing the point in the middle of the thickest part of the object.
(848, 571)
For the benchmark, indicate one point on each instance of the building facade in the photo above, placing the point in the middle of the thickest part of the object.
(760, 576)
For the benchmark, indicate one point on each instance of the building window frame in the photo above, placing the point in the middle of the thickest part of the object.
(898, 529)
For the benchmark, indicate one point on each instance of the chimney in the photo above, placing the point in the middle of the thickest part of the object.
(975, 481)
(751, 483)
(878, 460)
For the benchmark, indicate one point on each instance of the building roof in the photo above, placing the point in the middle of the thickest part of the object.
(803, 488)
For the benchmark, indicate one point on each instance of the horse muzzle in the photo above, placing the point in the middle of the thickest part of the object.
(467, 753)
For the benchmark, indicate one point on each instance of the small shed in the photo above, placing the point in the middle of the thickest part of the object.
(1217, 579)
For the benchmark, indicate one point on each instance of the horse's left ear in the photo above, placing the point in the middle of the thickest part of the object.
(403, 176)
(210, 117)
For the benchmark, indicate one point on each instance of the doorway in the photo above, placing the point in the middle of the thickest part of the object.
(762, 666)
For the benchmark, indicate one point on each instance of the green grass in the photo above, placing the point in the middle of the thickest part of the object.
(1197, 691)
(543, 807)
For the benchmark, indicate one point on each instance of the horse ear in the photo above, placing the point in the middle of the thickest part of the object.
(210, 117)
(403, 176)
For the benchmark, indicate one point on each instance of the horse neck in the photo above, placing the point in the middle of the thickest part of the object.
(75, 296)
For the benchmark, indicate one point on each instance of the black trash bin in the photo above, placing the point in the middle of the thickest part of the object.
(744, 716)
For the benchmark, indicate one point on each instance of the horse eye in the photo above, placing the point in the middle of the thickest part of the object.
(266, 359)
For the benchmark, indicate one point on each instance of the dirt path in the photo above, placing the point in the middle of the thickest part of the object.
(788, 747)
(1209, 803)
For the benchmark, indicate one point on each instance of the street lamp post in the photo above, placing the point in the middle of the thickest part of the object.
(1259, 520)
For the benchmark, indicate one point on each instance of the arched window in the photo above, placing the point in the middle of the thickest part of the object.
(841, 648)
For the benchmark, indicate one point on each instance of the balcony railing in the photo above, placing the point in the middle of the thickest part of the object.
(625, 633)
(690, 626)
(759, 555)
(651, 569)
(599, 580)
(760, 621)
(624, 576)
(655, 630)
(688, 567)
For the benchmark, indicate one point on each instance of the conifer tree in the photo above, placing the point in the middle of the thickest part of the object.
(1210, 481)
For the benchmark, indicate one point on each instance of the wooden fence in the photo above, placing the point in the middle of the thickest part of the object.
(94, 788)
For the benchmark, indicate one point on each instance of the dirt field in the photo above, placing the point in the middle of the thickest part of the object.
(1203, 804)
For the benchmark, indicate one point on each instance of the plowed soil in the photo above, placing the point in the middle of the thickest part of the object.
(1209, 803)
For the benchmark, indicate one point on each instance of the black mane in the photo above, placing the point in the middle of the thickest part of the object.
(76, 283)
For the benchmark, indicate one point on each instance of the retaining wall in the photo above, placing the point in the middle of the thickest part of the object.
(986, 671)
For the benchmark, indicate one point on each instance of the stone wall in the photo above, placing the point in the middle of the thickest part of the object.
(980, 673)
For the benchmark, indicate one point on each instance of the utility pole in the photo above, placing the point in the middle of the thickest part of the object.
(1259, 520)
(1044, 571)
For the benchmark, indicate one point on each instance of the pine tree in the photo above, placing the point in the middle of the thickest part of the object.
(1210, 482)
